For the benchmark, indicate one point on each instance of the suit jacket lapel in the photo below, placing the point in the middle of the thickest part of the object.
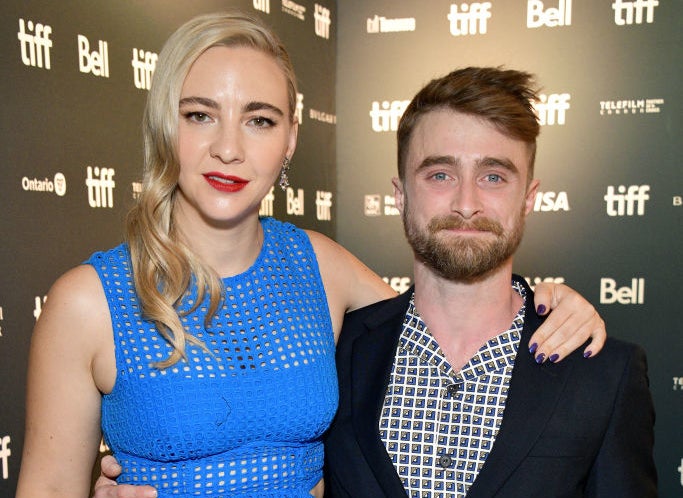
(534, 392)
(372, 360)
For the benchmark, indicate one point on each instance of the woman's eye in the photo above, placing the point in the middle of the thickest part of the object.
(198, 117)
(262, 122)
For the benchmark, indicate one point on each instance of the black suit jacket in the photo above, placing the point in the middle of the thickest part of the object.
(578, 428)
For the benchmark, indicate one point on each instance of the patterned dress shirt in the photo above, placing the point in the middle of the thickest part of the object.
(439, 424)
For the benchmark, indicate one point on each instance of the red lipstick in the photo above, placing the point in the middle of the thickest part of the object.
(225, 183)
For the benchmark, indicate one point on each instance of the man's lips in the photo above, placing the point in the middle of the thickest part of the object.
(225, 183)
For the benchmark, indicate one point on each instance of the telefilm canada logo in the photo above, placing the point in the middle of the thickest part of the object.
(380, 24)
(624, 107)
(56, 185)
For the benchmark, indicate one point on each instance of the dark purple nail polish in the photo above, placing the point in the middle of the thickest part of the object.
(540, 358)
(587, 354)
(541, 309)
(532, 348)
(553, 357)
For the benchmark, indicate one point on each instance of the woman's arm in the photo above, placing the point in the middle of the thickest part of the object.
(71, 359)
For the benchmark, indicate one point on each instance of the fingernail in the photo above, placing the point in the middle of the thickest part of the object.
(540, 358)
(532, 348)
(553, 357)
(541, 309)
(587, 354)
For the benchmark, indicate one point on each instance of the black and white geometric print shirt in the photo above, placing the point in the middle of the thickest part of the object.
(438, 424)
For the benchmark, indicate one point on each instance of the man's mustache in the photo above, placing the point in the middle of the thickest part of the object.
(450, 222)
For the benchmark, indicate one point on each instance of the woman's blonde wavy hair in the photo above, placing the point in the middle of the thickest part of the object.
(163, 266)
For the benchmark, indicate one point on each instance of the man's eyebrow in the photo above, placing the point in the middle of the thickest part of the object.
(259, 106)
(502, 162)
(199, 100)
(435, 160)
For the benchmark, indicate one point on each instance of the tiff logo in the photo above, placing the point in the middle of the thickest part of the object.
(35, 48)
(266, 208)
(551, 109)
(385, 116)
(680, 471)
(634, 11)
(537, 15)
(537, 280)
(610, 294)
(295, 203)
(262, 5)
(323, 205)
(628, 201)
(470, 19)
(1, 319)
(5, 453)
(38, 309)
(299, 108)
(144, 63)
(96, 62)
(322, 21)
(399, 284)
(100, 183)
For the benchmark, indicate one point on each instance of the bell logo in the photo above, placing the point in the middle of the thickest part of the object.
(536, 16)
(96, 62)
(550, 201)
(295, 203)
(610, 294)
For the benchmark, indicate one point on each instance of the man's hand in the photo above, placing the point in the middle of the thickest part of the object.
(106, 487)
(571, 323)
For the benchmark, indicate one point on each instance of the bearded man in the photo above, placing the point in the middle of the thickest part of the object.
(434, 398)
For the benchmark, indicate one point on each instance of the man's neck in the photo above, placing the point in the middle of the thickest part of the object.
(463, 315)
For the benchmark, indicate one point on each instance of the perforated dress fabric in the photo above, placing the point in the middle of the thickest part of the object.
(245, 418)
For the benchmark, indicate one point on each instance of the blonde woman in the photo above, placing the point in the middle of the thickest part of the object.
(203, 347)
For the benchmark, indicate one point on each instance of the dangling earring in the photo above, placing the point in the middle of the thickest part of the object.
(284, 181)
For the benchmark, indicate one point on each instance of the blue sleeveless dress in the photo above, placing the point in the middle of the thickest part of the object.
(245, 419)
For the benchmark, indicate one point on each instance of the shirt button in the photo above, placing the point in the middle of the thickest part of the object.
(445, 461)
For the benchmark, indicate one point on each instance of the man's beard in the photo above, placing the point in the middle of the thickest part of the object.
(462, 258)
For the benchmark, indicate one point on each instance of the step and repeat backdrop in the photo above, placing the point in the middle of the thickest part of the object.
(607, 219)
(75, 77)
